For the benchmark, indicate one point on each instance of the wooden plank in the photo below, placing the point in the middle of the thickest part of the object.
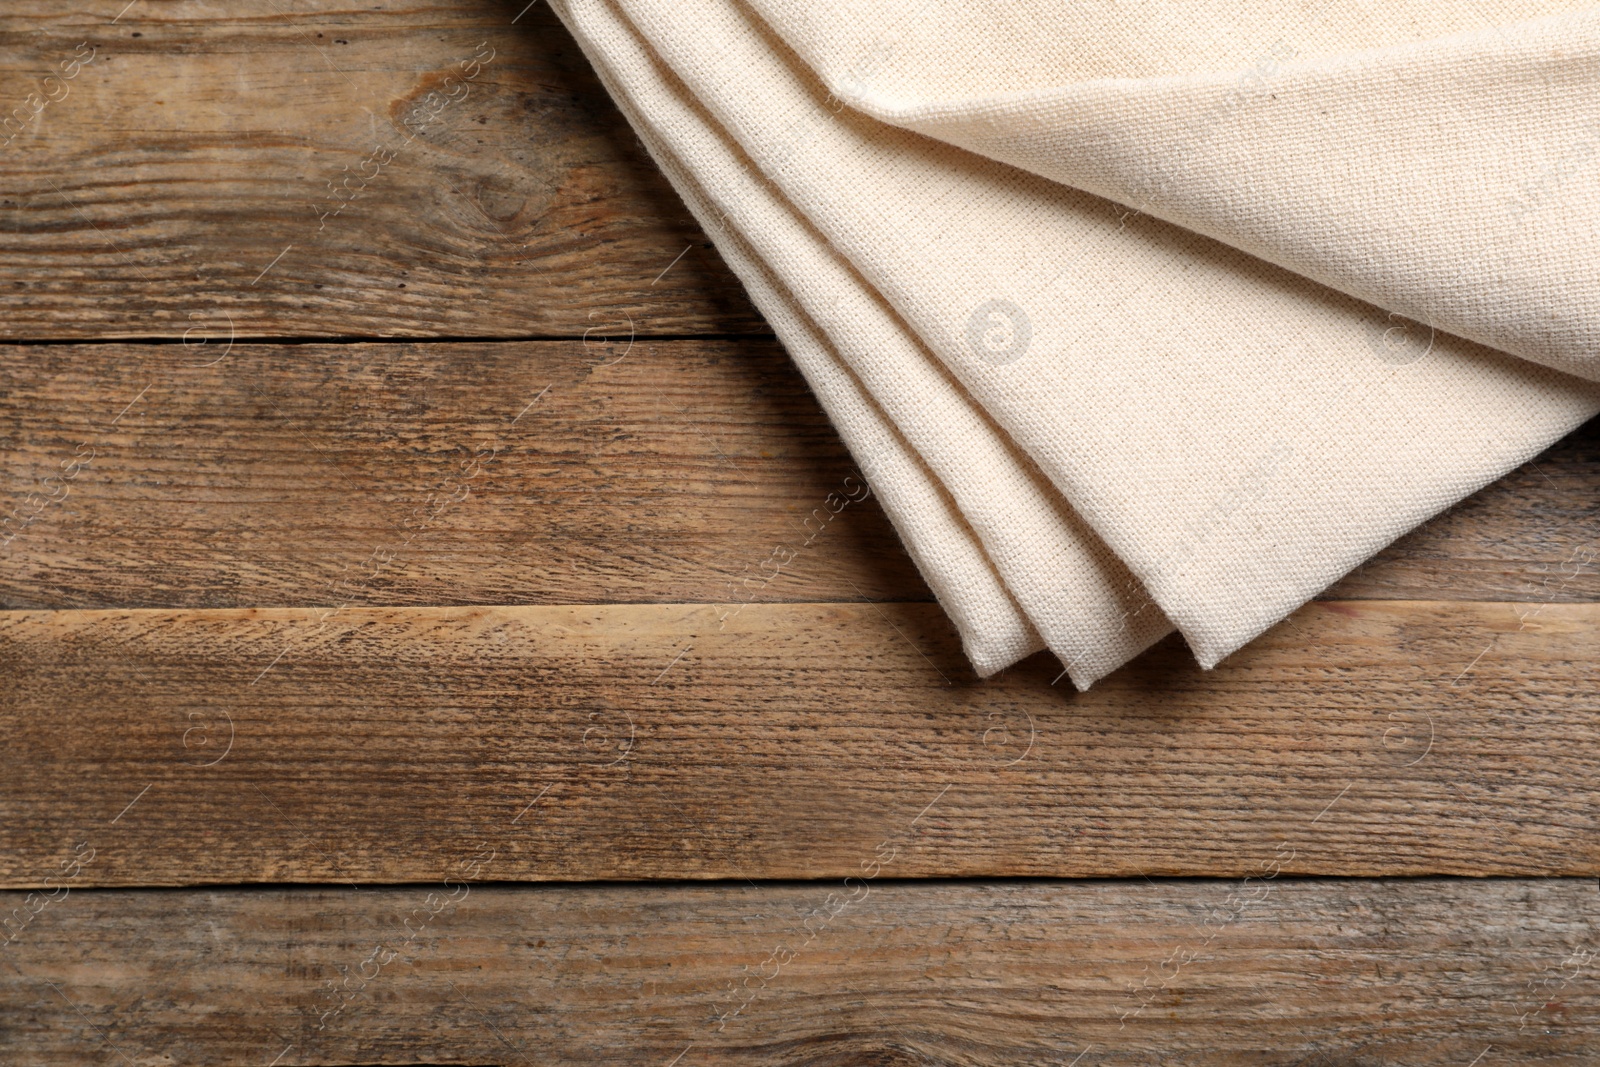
(1533, 535)
(1099, 974)
(782, 741)
(215, 170)
(549, 472)
(656, 472)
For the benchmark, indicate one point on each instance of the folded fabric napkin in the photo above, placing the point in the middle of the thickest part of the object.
(1139, 316)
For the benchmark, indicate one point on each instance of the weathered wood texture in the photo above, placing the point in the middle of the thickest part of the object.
(263, 475)
(547, 472)
(784, 741)
(1274, 972)
(315, 169)
(1533, 535)
(297, 705)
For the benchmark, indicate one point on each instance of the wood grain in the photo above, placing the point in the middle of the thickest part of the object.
(1533, 535)
(267, 475)
(245, 641)
(785, 741)
(548, 472)
(230, 169)
(1099, 974)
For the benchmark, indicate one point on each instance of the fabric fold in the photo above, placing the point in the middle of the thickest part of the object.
(1090, 611)
(1129, 421)
(994, 633)
(1408, 175)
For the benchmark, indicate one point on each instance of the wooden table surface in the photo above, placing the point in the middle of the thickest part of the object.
(393, 671)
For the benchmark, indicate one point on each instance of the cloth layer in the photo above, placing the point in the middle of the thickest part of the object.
(1103, 420)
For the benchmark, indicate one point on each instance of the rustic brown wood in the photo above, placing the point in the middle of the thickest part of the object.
(308, 168)
(784, 741)
(316, 697)
(1099, 974)
(1533, 535)
(551, 472)
(266, 475)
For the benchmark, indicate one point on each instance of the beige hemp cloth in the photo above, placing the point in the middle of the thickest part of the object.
(1140, 314)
